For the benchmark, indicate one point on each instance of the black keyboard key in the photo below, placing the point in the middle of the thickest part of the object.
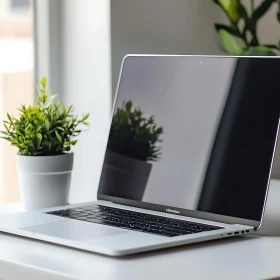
(133, 220)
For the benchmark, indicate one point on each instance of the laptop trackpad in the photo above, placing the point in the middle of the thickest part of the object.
(75, 230)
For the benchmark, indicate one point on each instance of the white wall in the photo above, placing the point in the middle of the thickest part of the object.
(162, 26)
(84, 79)
(174, 27)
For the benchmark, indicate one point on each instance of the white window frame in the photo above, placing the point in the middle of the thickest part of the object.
(73, 49)
(44, 36)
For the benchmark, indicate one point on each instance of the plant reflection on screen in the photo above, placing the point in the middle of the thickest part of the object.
(134, 135)
(133, 144)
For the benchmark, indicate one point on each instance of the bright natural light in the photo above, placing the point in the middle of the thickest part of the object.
(16, 80)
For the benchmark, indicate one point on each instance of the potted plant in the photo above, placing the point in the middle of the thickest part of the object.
(44, 134)
(240, 37)
(132, 146)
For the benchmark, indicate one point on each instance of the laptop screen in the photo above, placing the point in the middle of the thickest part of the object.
(192, 132)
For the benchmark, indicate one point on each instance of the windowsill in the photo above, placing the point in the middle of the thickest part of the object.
(11, 208)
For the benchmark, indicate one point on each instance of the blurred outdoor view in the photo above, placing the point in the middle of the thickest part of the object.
(16, 81)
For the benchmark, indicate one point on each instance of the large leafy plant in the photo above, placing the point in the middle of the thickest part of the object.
(240, 37)
(133, 135)
(45, 129)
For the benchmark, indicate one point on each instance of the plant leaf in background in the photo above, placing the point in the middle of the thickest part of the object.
(229, 43)
(278, 12)
(229, 29)
(241, 36)
(223, 3)
(234, 11)
(43, 82)
(262, 9)
(231, 8)
(259, 51)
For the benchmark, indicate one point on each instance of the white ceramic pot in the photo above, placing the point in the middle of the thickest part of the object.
(44, 181)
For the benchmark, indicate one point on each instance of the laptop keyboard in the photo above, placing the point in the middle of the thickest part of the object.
(132, 220)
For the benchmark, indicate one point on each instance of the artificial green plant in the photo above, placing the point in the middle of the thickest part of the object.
(134, 135)
(240, 36)
(45, 129)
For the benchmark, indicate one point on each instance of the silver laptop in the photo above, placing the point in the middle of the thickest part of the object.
(188, 158)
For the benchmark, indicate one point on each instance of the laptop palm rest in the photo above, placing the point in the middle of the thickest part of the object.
(75, 230)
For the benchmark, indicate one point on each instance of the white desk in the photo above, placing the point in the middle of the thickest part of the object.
(237, 258)
(247, 257)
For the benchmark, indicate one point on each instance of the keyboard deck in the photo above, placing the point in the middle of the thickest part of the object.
(132, 220)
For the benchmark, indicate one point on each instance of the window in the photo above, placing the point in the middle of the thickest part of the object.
(20, 4)
(16, 81)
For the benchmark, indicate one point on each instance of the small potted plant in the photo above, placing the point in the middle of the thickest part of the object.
(132, 146)
(44, 134)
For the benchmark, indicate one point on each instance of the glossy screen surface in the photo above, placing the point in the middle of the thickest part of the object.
(210, 143)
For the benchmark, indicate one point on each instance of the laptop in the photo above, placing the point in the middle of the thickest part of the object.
(188, 158)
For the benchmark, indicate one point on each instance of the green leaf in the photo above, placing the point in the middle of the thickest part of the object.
(42, 129)
(6, 138)
(259, 51)
(70, 109)
(74, 142)
(60, 128)
(5, 132)
(229, 43)
(71, 143)
(85, 117)
(39, 128)
(39, 139)
(231, 8)
(9, 117)
(234, 11)
(6, 127)
(231, 30)
(272, 47)
(262, 9)
(278, 12)
(58, 136)
(47, 124)
(64, 110)
(224, 3)
(43, 82)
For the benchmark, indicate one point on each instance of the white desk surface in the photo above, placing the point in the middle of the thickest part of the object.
(237, 258)
(246, 257)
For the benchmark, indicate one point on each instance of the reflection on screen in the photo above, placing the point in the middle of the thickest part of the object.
(194, 133)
